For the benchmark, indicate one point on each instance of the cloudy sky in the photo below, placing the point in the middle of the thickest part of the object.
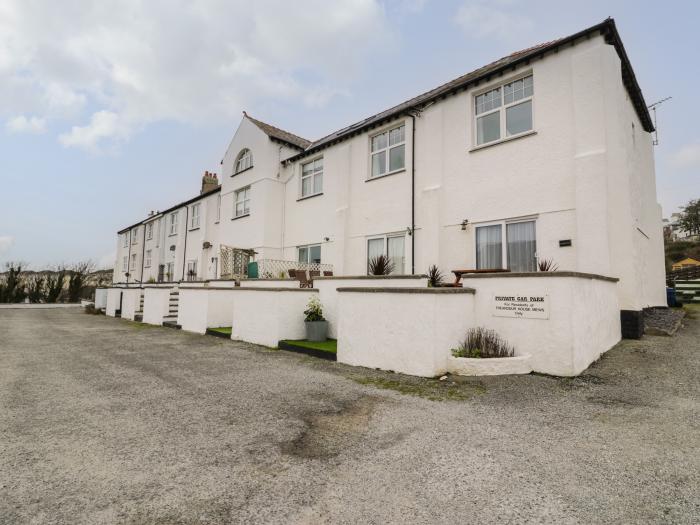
(109, 109)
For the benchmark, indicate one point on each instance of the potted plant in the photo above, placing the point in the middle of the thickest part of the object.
(316, 325)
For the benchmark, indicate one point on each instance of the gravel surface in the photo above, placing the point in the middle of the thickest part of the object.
(107, 421)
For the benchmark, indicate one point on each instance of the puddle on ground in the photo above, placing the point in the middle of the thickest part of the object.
(327, 434)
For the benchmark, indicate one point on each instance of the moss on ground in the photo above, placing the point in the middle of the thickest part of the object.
(330, 345)
(432, 389)
(221, 330)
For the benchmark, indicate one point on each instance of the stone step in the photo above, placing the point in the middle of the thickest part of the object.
(138, 318)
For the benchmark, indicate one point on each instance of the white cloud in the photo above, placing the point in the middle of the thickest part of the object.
(489, 20)
(22, 124)
(134, 63)
(688, 157)
(6, 242)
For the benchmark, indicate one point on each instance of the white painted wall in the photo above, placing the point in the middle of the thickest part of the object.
(270, 283)
(101, 298)
(130, 302)
(113, 298)
(155, 304)
(584, 319)
(266, 316)
(205, 307)
(328, 294)
(403, 332)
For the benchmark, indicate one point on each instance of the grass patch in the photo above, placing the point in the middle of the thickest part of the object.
(431, 389)
(330, 345)
(225, 330)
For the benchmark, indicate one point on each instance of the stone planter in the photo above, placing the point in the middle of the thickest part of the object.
(316, 330)
(494, 366)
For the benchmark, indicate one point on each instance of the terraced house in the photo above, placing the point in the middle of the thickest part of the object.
(543, 154)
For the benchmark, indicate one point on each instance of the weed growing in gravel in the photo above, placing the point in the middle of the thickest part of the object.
(427, 388)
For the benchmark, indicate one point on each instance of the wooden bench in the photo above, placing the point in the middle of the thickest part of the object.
(459, 273)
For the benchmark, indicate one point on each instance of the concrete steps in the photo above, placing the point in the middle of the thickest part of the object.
(138, 315)
(170, 320)
(688, 291)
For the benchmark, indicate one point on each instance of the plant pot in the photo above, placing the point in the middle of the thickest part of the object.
(316, 330)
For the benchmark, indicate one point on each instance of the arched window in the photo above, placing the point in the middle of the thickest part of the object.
(243, 161)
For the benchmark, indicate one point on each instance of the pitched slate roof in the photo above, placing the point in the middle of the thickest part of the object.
(279, 134)
(606, 28)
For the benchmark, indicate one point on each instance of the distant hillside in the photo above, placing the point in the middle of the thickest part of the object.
(676, 251)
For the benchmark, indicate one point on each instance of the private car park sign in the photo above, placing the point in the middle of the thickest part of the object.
(530, 306)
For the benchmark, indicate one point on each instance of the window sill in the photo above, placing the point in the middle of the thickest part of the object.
(501, 141)
(310, 196)
(194, 229)
(395, 172)
(172, 235)
(242, 171)
(240, 217)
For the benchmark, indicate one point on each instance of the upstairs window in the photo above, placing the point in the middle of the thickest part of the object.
(243, 161)
(242, 202)
(312, 178)
(172, 222)
(133, 262)
(125, 238)
(149, 231)
(148, 258)
(135, 236)
(504, 111)
(194, 217)
(125, 263)
(388, 151)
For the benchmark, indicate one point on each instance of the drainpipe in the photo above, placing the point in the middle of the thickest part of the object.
(143, 252)
(184, 252)
(413, 194)
(128, 260)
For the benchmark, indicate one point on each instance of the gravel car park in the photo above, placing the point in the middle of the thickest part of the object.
(108, 421)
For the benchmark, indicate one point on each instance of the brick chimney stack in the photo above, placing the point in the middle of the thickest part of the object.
(209, 182)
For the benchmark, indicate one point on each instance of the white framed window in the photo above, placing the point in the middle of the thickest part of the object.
(149, 231)
(519, 251)
(192, 270)
(392, 246)
(243, 161)
(504, 111)
(125, 263)
(132, 267)
(135, 236)
(172, 223)
(125, 240)
(218, 207)
(194, 216)
(241, 201)
(169, 272)
(309, 254)
(148, 258)
(312, 178)
(388, 151)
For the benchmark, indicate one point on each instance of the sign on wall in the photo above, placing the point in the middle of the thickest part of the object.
(531, 306)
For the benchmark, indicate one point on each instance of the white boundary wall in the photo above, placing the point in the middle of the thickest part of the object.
(130, 302)
(113, 299)
(408, 330)
(202, 308)
(328, 294)
(266, 316)
(412, 330)
(101, 298)
(269, 283)
(155, 303)
(584, 317)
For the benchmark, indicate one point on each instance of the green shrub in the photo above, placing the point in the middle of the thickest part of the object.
(435, 276)
(380, 265)
(483, 343)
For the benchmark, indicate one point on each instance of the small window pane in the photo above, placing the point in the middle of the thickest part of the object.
(519, 118)
(375, 248)
(396, 158)
(318, 165)
(522, 246)
(305, 186)
(488, 128)
(489, 254)
(528, 89)
(378, 163)
(396, 253)
(315, 254)
(318, 183)
(307, 168)
(396, 136)
(303, 254)
(488, 101)
(379, 142)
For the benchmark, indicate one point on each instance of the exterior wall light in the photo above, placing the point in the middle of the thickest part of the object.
(465, 222)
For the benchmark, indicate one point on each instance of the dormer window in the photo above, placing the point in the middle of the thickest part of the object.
(243, 161)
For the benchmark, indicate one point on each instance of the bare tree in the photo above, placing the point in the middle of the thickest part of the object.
(76, 279)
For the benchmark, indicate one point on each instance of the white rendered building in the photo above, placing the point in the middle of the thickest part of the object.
(543, 154)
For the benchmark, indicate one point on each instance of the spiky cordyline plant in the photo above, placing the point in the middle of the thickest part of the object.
(435, 276)
(547, 265)
(380, 265)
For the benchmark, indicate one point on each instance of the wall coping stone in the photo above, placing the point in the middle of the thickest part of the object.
(268, 279)
(389, 289)
(580, 275)
(369, 277)
(272, 289)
